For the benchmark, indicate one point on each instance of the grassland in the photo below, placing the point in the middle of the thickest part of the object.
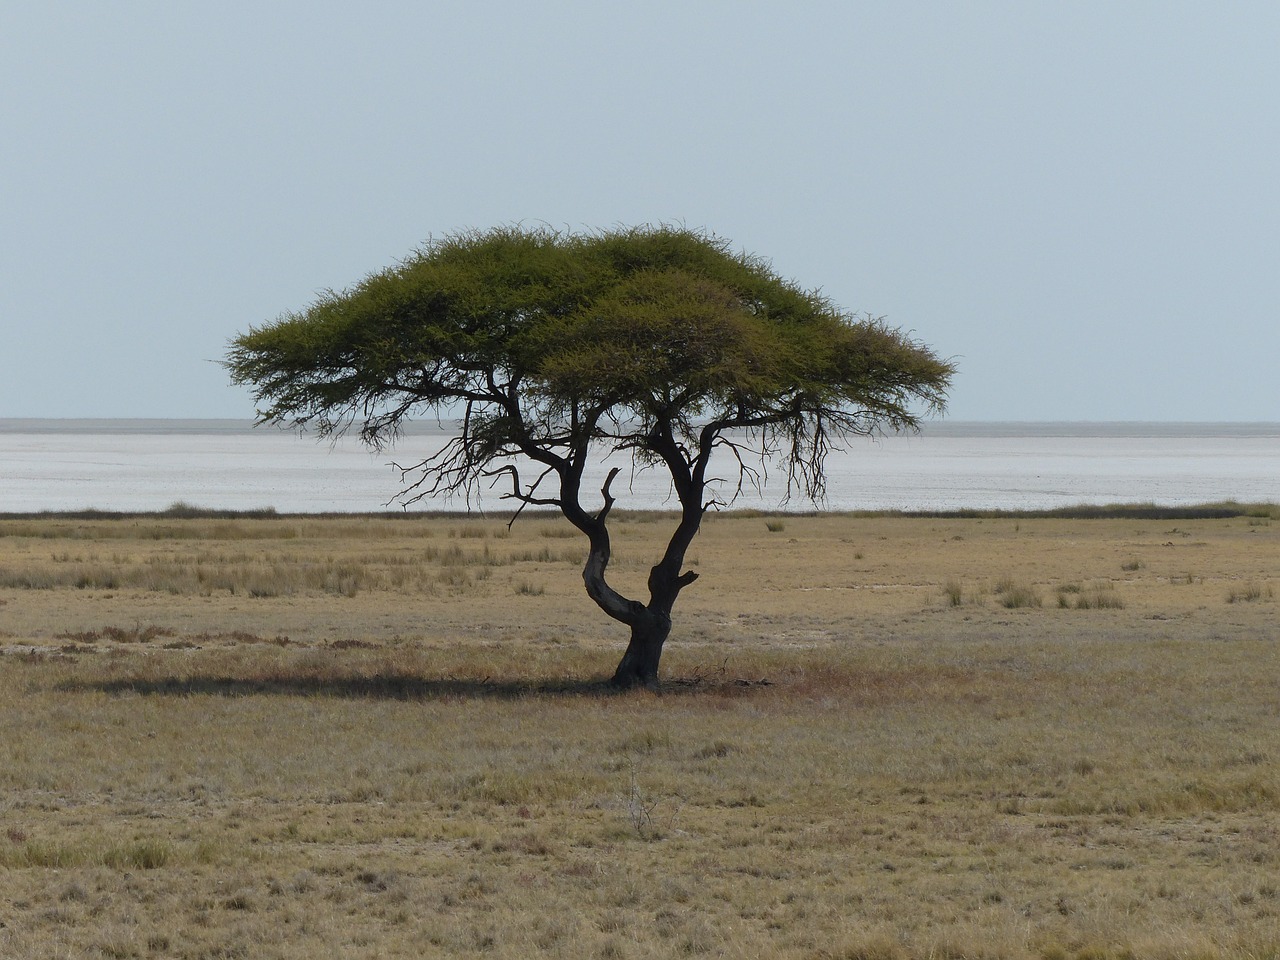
(881, 737)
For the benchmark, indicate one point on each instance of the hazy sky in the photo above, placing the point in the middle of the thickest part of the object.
(1079, 202)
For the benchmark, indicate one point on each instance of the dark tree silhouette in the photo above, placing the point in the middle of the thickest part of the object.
(660, 343)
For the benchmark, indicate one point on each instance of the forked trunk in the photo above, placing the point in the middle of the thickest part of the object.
(650, 625)
(639, 665)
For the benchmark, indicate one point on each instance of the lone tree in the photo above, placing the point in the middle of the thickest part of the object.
(658, 342)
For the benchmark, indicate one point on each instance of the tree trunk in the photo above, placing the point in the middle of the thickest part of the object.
(639, 665)
(650, 625)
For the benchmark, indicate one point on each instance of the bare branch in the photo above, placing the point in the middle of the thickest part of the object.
(607, 496)
(746, 473)
(526, 497)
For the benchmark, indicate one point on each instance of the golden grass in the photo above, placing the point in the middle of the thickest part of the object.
(862, 751)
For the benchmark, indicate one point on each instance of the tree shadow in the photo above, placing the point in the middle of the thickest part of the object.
(379, 686)
(387, 686)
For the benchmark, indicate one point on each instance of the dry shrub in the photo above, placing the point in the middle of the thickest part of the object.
(1250, 592)
(1097, 596)
(135, 634)
(1014, 595)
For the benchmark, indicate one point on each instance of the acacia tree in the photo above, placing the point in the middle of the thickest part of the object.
(659, 343)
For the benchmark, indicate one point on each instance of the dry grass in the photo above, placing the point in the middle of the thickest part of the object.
(426, 765)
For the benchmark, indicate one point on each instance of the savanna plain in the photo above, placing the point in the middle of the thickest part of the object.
(879, 737)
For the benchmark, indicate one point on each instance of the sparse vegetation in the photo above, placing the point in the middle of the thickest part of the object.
(303, 567)
(1095, 596)
(1249, 592)
(1014, 595)
(839, 768)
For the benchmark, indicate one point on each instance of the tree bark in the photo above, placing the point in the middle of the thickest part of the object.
(651, 624)
(650, 627)
(639, 665)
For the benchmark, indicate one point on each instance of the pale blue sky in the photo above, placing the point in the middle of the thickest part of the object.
(1080, 202)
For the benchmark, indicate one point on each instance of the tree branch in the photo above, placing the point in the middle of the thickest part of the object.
(607, 496)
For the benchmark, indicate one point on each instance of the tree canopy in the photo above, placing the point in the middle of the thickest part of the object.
(551, 347)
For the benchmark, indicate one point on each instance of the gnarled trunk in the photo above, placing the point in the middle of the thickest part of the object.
(639, 665)
(650, 625)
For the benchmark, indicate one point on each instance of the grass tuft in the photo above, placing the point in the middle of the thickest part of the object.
(1250, 592)
(954, 593)
(1014, 595)
(1097, 596)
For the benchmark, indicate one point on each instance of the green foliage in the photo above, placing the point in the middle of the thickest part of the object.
(558, 340)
